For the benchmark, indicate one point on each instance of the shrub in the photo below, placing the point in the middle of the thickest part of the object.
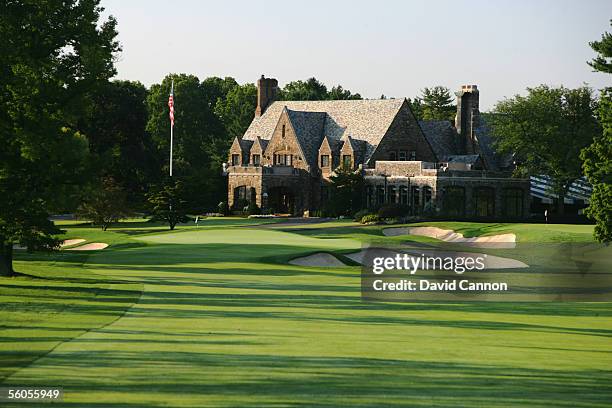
(392, 210)
(223, 208)
(253, 209)
(240, 204)
(360, 214)
(370, 219)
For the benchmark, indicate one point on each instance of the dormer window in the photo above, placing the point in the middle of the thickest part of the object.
(235, 160)
(325, 160)
(347, 161)
(256, 160)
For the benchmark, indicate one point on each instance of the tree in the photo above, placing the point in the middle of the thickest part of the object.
(168, 203)
(314, 90)
(119, 144)
(105, 205)
(546, 130)
(339, 93)
(416, 106)
(236, 110)
(346, 192)
(200, 139)
(53, 54)
(603, 61)
(437, 103)
(597, 157)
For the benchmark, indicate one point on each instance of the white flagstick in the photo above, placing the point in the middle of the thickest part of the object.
(171, 128)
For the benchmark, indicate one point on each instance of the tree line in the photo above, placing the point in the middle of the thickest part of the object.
(73, 139)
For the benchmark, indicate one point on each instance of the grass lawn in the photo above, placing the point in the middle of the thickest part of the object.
(214, 316)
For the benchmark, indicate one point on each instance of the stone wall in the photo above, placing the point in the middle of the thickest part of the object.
(403, 134)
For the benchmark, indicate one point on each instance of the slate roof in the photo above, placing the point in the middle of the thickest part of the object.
(308, 128)
(366, 120)
(462, 158)
(441, 135)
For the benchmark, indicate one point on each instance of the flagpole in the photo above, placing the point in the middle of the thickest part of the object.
(171, 131)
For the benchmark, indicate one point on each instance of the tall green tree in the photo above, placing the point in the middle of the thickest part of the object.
(106, 204)
(339, 93)
(437, 103)
(237, 109)
(121, 148)
(314, 90)
(416, 106)
(309, 90)
(52, 55)
(546, 130)
(200, 139)
(168, 203)
(598, 156)
(346, 192)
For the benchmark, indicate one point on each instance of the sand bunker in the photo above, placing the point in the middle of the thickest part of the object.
(70, 242)
(490, 261)
(490, 241)
(318, 259)
(94, 246)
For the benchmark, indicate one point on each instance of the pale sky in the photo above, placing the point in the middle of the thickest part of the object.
(372, 47)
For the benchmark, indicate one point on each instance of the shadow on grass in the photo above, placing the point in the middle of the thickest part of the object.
(274, 380)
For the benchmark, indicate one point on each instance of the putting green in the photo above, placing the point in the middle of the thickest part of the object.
(214, 316)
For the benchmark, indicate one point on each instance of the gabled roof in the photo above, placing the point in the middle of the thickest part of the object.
(365, 120)
(308, 127)
(441, 135)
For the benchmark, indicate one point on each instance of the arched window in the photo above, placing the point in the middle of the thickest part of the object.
(370, 199)
(454, 201)
(427, 193)
(484, 201)
(512, 202)
(380, 194)
(415, 202)
(391, 194)
(403, 195)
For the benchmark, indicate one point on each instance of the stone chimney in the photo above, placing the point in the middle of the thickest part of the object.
(467, 118)
(266, 93)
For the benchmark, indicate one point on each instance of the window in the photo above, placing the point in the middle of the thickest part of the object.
(256, 160)
(484, 198)
(346, 161)
(453, 201)
(392, 156)
(391, 194)
(380, 194)
(404, 195)
(288, 160)
(283, 134)
(235, 159)
(370, 202)
(412, 156)
(512, 202)
(415, 206)
(325, 160)
(427, 193)
(402, 155)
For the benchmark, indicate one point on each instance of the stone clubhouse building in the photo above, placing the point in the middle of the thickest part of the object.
(285, 158)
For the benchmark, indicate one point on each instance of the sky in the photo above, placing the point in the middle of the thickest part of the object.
(394, 48)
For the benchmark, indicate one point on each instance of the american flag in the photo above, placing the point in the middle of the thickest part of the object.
(171, 105)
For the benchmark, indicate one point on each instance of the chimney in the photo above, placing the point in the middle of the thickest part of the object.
(266, 93)
(468, 118)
